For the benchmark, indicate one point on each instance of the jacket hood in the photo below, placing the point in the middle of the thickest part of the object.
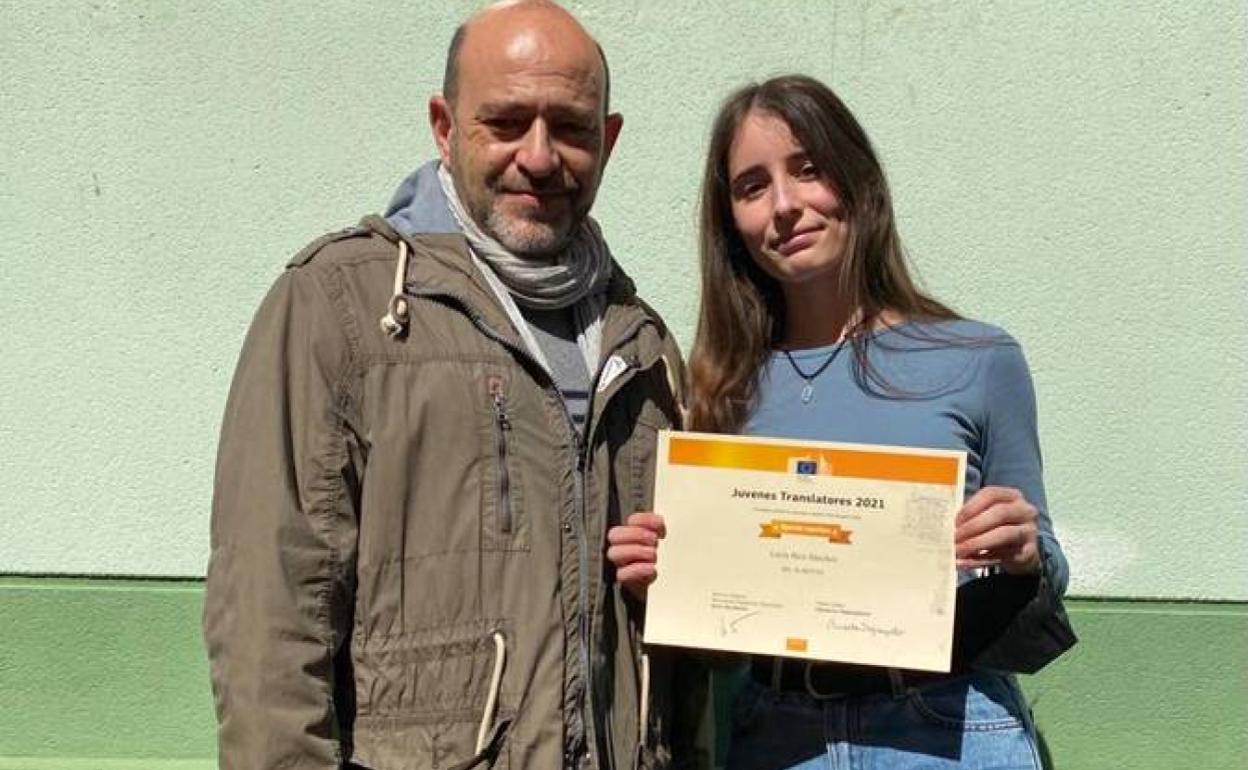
(419, 205)
(419, 208)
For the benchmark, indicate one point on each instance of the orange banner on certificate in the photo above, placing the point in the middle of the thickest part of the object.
(832, 532)
(803, 458)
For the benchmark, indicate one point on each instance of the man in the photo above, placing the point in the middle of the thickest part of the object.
(408, 524)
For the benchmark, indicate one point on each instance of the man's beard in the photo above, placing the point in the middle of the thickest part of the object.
(527, 237)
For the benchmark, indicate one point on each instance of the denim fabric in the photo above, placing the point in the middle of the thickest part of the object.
(973, 722)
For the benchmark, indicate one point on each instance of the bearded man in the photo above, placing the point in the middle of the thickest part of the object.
(435, 418)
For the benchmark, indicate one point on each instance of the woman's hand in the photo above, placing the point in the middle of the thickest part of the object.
(633, 547)
(998, 526)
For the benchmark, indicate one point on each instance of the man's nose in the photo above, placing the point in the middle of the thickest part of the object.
(537, 156)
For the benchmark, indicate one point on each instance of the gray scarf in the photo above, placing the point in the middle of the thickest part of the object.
(576, 277)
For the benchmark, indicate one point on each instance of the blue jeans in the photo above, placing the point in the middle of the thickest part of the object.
(976, 722)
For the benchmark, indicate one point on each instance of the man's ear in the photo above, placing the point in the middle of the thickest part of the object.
(442, 123)
(611, 132)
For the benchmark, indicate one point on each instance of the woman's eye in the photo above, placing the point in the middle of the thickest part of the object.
(750, 190)
(808, 171)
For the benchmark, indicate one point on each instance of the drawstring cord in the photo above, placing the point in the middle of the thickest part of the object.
(491, 705)
(496, 681)
(394, 322)
(643, 729)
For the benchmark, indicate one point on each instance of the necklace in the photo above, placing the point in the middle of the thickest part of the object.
(808, 392)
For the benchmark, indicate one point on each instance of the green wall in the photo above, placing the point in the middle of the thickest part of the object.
(111, 674)
(1076, 172)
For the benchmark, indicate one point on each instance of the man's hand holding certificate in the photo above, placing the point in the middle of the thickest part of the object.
(814, 550)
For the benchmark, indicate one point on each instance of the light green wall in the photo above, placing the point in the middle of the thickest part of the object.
(1074, 171)
(110, 675)
(1077, 172)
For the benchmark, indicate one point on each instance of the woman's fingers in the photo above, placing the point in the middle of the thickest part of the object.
(986, 498)
(630, 553)
(976, 563)
(633, 549)
(997, 526)
(628, 535)
(1006, 538)
(648, 520)
(1013, 512)
(637, 575)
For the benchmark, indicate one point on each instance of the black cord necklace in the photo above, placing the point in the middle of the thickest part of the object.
(808, 392)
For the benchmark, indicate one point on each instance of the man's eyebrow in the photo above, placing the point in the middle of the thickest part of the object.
(522, 108)
(500, 108)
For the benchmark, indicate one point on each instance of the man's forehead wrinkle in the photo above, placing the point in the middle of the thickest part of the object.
(541, 78)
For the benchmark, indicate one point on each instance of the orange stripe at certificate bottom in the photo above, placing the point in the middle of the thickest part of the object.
(779, 458)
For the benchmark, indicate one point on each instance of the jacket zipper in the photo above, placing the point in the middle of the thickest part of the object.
(501, 427)
(591, 426)
(582, 444)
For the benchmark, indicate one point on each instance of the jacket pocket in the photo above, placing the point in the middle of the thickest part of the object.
(431, 698)
(503, 525)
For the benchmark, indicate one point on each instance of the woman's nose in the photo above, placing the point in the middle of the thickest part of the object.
(785, 201)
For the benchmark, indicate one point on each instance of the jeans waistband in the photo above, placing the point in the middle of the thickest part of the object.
(835, 680)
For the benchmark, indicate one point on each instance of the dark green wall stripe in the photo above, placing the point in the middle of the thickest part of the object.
(102, 669)
(1150, 685)
(110, 674)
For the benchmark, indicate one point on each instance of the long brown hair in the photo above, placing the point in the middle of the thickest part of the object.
(742, 308)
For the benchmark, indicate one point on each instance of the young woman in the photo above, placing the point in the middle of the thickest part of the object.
(812, 328)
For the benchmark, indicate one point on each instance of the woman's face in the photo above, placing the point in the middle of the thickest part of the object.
(788, 214)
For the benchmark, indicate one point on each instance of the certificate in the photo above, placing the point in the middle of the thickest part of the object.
(840, 552)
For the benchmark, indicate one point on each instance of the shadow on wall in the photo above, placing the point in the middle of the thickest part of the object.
(1046, 759)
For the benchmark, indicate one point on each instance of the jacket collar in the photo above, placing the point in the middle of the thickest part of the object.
(441, 266)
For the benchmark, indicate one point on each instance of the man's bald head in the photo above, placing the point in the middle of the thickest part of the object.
(522, 124)
(450, 78)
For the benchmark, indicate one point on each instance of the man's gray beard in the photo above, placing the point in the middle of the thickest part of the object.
(537, 241)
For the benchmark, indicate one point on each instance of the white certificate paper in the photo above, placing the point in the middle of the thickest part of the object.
(840, 552)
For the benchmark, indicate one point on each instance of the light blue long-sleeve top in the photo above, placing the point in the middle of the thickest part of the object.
(944, 384)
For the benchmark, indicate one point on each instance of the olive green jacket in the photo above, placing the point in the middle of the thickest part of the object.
(407, 563)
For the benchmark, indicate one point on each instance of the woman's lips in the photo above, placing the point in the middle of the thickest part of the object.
(798, 241)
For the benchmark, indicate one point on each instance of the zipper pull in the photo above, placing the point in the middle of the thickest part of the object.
(495, 387)
(500, 411)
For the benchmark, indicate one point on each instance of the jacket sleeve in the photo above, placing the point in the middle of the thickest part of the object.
(279, 588)
(1010, 622)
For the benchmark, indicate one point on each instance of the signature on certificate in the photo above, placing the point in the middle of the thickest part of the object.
(730, 623)
(863, 627)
